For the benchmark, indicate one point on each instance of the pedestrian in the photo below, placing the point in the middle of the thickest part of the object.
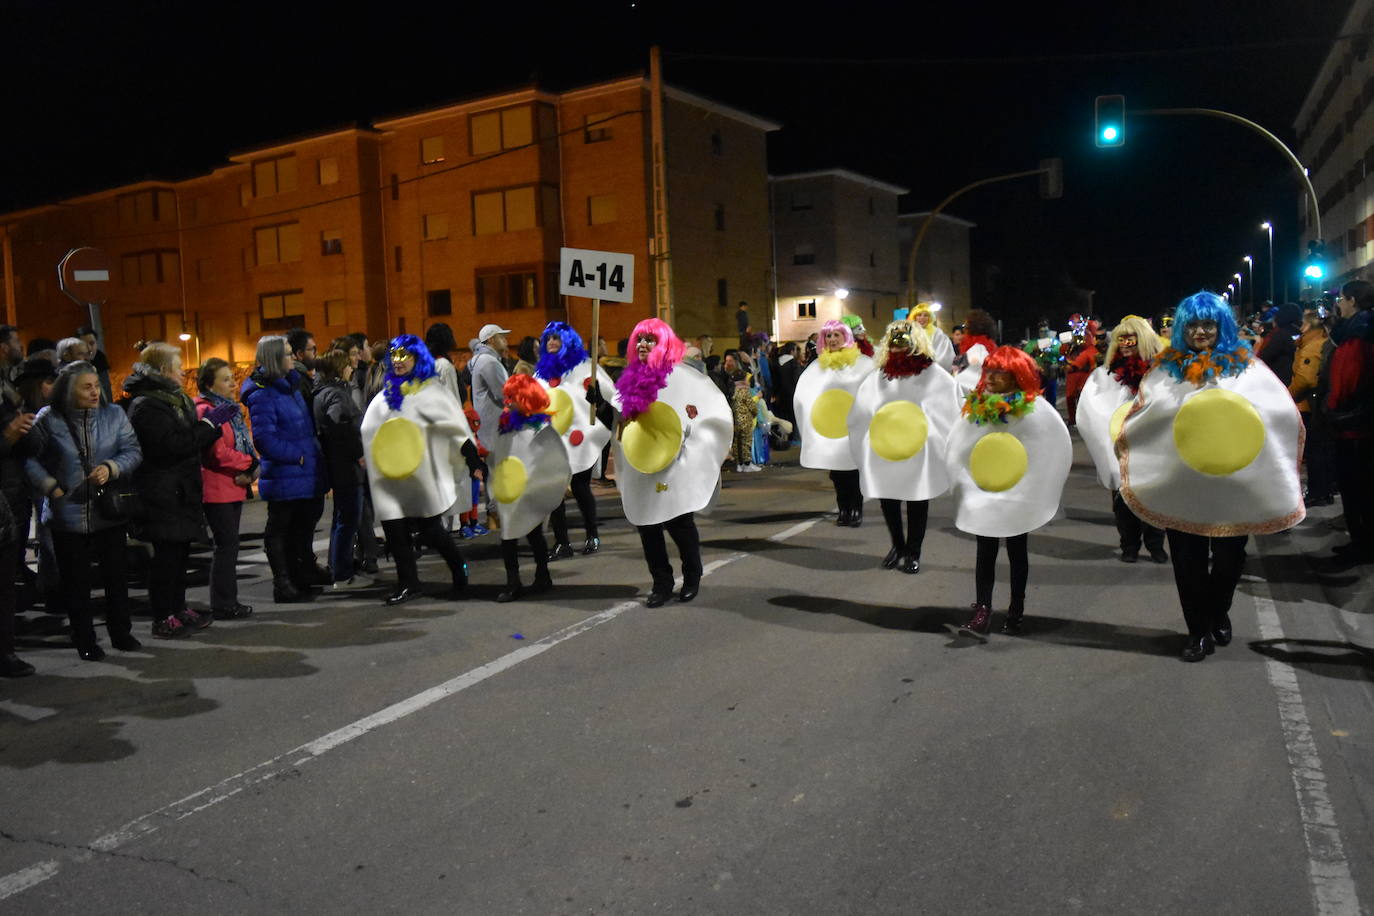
(1346, 393)
(744, 417)
(16, 421)
(291, 479)
(97, 359)
(789, 370)
(439, 340)
(673, 436)
(338, 423)
(824, 394)
(1281, 343)
(1317, 447)
(1209, 452)
(227, 471)
(77, 445)
(488, 380)
(899, 433)
(72, 350)
(1080, 365)
(742, 324)
(303, 353)
(528, 356)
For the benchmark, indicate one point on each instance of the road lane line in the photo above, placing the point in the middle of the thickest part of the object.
(227, 788)
(1327, 866)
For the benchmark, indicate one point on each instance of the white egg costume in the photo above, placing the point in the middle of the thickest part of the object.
(967, 379)
(1009, 477)
(822, 402)
(668, 464)
(529, 474)
(1102, 406)
(899, 431)
(414, 457)
(1219, 459)
(572, 415)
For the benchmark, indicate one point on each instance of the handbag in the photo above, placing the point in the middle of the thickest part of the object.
(116, 500)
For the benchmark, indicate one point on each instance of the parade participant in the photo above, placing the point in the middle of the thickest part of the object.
(673, 436)
(1102, 405)
(898, 433)
(417, 441)
(941, 348)
(856, 327)
(1009, 461)
(1209, 452)
(977, 341)
(824, 396)
(529, 473)
(582, 418)
(1081, 363)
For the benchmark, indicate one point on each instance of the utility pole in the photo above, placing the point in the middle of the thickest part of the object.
(660, 253)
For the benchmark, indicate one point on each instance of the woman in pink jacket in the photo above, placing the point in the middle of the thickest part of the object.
(227, 470)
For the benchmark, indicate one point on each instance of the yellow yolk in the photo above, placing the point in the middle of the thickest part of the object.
(998, 462)
(508, 480)
(1118, 418)
(398, 448)
(898, 430)
(830, 413)
(652, 440)
(1218, 432)
(560, 410)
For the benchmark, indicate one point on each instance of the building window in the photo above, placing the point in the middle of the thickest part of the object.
(508, 210)
(331, 242)
(720, 217)
(434, 226)
(804, 254)
(280, 244)
(144, 207)
(329, 170)
(282, 311)
(143, 268)
(507, 290)
(431, 150)
(802, 200)
(440, 302)
(717, 144)
(506, 128)
(274, 176)
(596, 127)
(149, 326)
(806, 309)
(335, 313)
(600, 209)
(722, 293)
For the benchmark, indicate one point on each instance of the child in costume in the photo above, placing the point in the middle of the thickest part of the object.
(977, 342)
(1209, 452)
(674, 432)
(1009, 460)
(941, 347)
(898, 434)
(471, 526)
(825, 393)
(1103, 404)
(529, 474)
(417, 442)
(583, 420)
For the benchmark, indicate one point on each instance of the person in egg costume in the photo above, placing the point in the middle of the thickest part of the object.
(582, 417)
(529, 473)
(1009, 460)
(898, 433)
(825, 393)
(1209, 452)
(673, 436)
(1103, 404)
(418, 446)
(978, 340)
(941, 347)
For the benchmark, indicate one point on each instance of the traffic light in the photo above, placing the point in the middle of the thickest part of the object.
(1314, 265)
(1109, 116)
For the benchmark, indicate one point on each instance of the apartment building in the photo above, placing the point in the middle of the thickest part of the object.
(943, 265)
(835, 242)
(454, 214)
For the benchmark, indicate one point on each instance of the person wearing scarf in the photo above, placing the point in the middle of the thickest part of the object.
(1209, 451)
(673, 435)
(822, 401)
(227, 471)
(1101, 407)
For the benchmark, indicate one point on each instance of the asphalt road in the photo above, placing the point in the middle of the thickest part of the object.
(808, 736)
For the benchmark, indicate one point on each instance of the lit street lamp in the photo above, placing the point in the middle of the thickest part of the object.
(1250, 262)
(1240, 290)
(1270, 226)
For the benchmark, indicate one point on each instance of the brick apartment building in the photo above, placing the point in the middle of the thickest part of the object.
(453, 214)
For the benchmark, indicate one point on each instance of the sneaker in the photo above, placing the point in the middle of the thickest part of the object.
(739, 469)
(170, 628)
(478, 529)
(195, 619)
(353, 584)
(466, 532)
(237, 612)
(980, 623)
(370, 567)
(753, 467)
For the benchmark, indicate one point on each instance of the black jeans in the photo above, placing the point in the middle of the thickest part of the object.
(75, 555)
(1317, 455)
(917, 514)
(1206, 593)
(683, 531)
(985, 572)
(10, 555)
(1132, 530)
(289, 539)
(223, 519)
(432, 534)
(510, 552)
(847, 493)
(586, 504)
(1353, 470)
(167, 577)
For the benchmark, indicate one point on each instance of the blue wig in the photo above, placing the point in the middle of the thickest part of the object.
(424, 368)
(1228, 356)
(568, 357)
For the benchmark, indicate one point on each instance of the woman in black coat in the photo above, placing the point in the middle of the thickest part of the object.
(168, 481)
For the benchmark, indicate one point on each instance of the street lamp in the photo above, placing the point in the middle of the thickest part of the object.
(1240, 290)
(1250, 262)
(842, 293)
(1270, 226)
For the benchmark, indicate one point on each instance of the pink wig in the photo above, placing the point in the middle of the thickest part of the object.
(837, 325)
(666, 354)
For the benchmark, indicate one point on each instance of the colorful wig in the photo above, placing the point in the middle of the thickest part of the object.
(1205, 306)
(1147, 343)
(640, 382)
(855, 324)
(916, 335)
(836, 325)
(666, 353)
(569, 355)
(527, 403)
(1019, 363)
(424, 368)
(923, 308)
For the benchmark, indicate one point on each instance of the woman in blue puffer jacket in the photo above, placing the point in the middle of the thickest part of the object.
(78, 443)
(293, 479)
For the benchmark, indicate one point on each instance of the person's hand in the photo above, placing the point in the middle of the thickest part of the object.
(57, 493)
(479, 475)
(18, 428)
(362, 462)
(243, 479)
(222, 414)
(593, 392)
(100, 475)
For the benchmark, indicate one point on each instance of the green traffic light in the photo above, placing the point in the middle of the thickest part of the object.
(1314, 272)
(1109, 134)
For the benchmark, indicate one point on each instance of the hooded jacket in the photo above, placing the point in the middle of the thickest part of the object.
(54, 461)
(172, 438)
(284, 435)
(488, 378)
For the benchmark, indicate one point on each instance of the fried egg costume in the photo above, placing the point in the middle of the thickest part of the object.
(1102, 407)
(823, 399)
(975, 355)
(571, 414)
(529, 472)
(941, 347)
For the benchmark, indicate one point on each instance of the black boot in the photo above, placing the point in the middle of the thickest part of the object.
(513, 588)
(510, 556)
(1017, 610)
(542, 580)
(284, 592)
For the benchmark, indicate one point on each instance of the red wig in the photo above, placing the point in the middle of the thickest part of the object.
(665, 354)
(525, 396)
(1019, 364)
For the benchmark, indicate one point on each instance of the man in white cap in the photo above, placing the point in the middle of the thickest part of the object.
(488, 379)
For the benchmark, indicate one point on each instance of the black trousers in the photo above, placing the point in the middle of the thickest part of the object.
(510, 552)
(1354, 470)
(289, 538)
(1132, 530)
(432, 534)
(847, 493)
(985, 571)
(586, 504)
(223, 519)
(683, 531)
(917, 514)
(1206, 584)
(167, 577)
(10, 555)
(1317, 455)
(75, 555)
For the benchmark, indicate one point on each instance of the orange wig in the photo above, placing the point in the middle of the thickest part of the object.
(1019, 364)
(525, 396)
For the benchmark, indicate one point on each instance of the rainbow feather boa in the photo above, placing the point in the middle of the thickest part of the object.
(1203, 365)
(983, 409)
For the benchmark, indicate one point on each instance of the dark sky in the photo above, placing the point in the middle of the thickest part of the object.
(922, 96)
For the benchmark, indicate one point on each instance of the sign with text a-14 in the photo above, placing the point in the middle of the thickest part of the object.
(605, 275)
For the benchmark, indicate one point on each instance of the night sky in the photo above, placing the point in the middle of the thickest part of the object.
(103, 94)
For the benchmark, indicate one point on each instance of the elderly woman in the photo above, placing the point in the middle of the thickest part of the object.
(168, 481)
(227, 469)
(79, 443)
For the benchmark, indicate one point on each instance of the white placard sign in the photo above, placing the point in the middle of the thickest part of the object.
(605, 275)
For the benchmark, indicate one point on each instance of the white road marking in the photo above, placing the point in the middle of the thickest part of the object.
(1327, 867)
(26, 878)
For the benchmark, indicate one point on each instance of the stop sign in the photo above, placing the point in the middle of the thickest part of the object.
(85, 275)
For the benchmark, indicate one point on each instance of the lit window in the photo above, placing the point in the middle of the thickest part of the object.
(511, 209)
(329, 170)
(597, 127)
(431, 150)
(506, 128)
(274, 176)
(280, 244)
(282, 311)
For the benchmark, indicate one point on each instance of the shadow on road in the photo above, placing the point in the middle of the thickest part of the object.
(1329, 658)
